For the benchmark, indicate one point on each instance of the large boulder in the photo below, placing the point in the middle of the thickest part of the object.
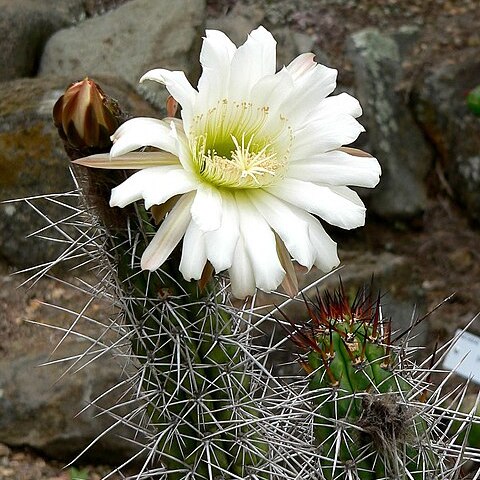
(40, 405)
(238, 22)
(393, 135)
(33, 163)
(440, 106)
(402, 299)
(26, 25)
(130, 40)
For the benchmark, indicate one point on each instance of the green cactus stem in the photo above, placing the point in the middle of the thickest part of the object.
(195, 379)
(363, 422)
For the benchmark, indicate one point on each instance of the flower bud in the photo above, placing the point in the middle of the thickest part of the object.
(85, 117)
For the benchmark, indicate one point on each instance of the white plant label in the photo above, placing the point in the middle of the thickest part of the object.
(464, 357)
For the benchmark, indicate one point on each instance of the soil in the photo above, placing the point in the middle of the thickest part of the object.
(442, 247)
(21, 464)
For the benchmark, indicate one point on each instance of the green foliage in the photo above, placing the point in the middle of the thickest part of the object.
(473, 100)
(76, 474)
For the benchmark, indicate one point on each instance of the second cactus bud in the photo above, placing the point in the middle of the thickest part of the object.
(363, 420)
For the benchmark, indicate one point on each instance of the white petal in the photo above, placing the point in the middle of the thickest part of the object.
(221, 243)
(260, 245)
(134, 160)
(155, 185)
(302, 65)
(169, 234)
(178, 86)
(284, 219)
(265, 47)
(207, 208)
(142, 132)
(255, 59)
(182, 145)
(325, 134)
(216, 55)
(309, 90)
(331, 205)
(272, 90)
(337, 168)
(173, 182)
(241, 272)
(342, 103)
(133, 187)
(326, 257)
(348, 194)
(194, 256)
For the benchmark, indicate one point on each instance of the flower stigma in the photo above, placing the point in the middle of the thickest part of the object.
(239, 145)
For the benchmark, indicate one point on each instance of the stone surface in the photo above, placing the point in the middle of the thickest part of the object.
(39, 407)
(238, 22)
(241, 20)
(392, 133)
(130, 40)
(440, 106)
(26, 25)
(33, 162)
(39, 404)
(402, 294)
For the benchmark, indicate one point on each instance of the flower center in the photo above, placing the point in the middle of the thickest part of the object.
(238, 145)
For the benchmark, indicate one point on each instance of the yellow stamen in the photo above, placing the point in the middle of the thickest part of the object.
(237, 145)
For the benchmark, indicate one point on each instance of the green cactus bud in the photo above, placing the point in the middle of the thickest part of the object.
(364, 422)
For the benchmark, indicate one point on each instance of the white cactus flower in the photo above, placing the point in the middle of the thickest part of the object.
(255, 159)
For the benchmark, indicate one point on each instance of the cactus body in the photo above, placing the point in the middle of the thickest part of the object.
(209, 407)
(365, 418)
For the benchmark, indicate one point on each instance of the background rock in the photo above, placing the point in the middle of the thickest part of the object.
(440, 106)
(402, 299)
(242, 19)
(389, 274)
(26, 25)
(129, 41)
(33, 162)
(39, 404)
(39, 407)
(392, 133)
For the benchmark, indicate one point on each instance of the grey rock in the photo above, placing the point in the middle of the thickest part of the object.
(33, 163)
(406, 37)
(392, 133)
(440, 106)
(39, 406)
(130, 40)
(26, 26)
(240, 21)
(403, 298)
(402, 294)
